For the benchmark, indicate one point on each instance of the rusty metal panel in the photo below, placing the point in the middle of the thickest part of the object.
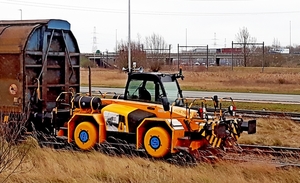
(29, 53)
(13, 38)
(23, 22)
(51, 23)
(11, 80)
(3, 28)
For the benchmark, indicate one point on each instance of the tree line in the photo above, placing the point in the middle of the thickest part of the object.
(154, 52)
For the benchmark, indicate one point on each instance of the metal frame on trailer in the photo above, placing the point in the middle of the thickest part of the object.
(37, 56)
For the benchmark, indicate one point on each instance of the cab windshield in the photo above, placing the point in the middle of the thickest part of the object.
(172, 90)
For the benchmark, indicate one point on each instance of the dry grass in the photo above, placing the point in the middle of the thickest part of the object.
(104, 77)
(272, 80)
(48, 165)
(274, 132)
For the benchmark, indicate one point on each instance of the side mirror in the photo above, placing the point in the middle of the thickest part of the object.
(165, 103)
(231, 110)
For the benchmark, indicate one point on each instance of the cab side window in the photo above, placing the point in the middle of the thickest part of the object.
(150, 87)
(133, 87)
(159, 92)
(142, 90)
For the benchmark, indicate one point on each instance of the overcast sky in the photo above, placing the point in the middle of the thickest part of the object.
(185, 22)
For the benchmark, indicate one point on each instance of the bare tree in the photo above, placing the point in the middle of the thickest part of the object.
(247, 42)
(12, 154)
(157, 51)
(137, 54)
(276, 43)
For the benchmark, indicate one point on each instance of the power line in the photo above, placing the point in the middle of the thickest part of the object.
(101, 10)
(64, 7)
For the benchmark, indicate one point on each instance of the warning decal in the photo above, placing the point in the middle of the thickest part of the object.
(13, 89)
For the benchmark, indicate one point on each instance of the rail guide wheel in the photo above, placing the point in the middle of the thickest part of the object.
(85, 135)
(157, 142)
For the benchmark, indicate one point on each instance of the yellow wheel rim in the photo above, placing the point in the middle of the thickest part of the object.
(85, 135)
(157, 142)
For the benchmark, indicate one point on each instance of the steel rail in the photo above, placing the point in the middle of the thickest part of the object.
(270, 148)
(276, 151)
(260, 114)
(266, 114)
(281, 157)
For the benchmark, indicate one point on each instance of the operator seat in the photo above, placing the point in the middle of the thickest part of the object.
(144, 94)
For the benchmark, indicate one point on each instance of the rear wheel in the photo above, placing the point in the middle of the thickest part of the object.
(157, 142)
(85, 135)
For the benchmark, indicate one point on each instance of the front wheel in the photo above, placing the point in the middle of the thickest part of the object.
(157, 142)
(85, 135)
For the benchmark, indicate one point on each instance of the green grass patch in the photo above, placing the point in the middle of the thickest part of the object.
(268, 106)
(239, 90)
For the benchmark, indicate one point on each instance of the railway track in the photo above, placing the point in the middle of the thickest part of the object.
(281, 157)
(273, 151)
(263, 114)
(266, 114)
(277, 149)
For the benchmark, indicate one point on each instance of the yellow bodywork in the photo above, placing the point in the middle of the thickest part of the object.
(164, 133)
(95, 119)
(122, 110)
(178, 112)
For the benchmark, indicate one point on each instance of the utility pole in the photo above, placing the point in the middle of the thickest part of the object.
(94, 49)
(116, 41)
(129, 41)
(21, 13)
(290, 34)
(215, 40)
(186, 39)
